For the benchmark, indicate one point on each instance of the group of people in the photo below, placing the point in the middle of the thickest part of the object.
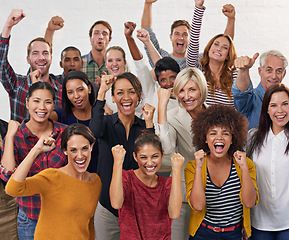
(185, 148)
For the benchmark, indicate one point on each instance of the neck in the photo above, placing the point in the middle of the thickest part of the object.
(194, 113)
(69, 170)
(98, 56)
(219, 161)
(276, 129)
(150, 181)
(127, 121)
(216, 68)
(39, 129)
(82, 114)
(45, 78)
(180, 55)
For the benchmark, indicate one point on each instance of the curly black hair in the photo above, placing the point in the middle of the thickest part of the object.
(221, 116)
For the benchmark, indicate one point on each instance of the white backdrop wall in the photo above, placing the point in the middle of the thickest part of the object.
(260, 25)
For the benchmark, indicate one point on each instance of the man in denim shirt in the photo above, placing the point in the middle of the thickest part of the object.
(248, 100)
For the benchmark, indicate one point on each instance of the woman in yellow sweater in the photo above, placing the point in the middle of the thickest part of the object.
(69, 195)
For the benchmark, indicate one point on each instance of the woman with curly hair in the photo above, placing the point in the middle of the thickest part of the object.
(221, 181)
(217, 61)
(268, 147)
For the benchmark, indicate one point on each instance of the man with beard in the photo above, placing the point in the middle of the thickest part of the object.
(93, 62)
(38, 57)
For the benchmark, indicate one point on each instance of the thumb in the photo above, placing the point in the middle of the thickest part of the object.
(256, 55)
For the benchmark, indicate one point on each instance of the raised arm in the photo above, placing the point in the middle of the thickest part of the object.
(148, 114)
(44, 144)
(244, 64)
(96, 124)
(248, 191)
(175, 201)
(14, 18)
(197, 196)
(146, 20)
(195, 31)
(116, 186)
(128, 31)
(144, 36)
(54, 24)
(229, 11)
(8, 158)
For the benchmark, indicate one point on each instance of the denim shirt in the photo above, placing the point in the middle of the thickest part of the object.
(249, 103)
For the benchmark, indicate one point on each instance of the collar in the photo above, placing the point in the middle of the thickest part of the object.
(261, 89)
(27, 133)
(90, 59)
(115, 119)
(281, 136)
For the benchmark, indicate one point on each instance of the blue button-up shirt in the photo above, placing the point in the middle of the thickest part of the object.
(249, 103)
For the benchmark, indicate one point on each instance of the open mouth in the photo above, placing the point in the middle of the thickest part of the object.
(180, 44)
(219, 147)
(41, 114)
(80, 163)
(126, 106)
(79, 102)
(280, 117)
(150, 168)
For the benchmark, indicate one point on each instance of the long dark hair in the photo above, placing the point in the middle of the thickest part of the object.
(66, 104)
(265, 121)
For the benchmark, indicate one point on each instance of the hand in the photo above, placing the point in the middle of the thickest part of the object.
(55, 23)
(15, 17)
(240, 158)
(129, 27)
(107, 110)
(245, 62)
(199, 3)
(199, 158)
(143, 35)
(164, 96)
(229, 11)
(35, 76)
(106, 82)
(118, 153)
(177, 161)
(148, 112)
(45, 144)
(13, 127)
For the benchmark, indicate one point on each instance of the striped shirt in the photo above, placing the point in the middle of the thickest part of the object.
(224, 207)
(193, 60)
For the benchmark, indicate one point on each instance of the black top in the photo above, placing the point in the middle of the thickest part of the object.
(110, 132)
(3, 131)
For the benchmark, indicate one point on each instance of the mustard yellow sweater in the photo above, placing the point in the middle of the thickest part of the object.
(67, 204)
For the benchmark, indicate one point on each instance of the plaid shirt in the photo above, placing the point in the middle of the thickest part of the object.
(17, 85)
(24, 141)
(91, 68)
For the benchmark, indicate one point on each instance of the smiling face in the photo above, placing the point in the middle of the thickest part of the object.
(100, 37)
(40, 57)
(115, 62)
(125, 97)
(78, 153)
(40, 105)
(219, 50)
(78, 93)
(190, 96)
(219, 140)
(71, 60)
(278, 111)
(180, 40)
(149, 159)
(272, 72)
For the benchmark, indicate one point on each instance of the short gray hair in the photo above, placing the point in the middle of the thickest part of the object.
(264, 56)
(197, 76)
